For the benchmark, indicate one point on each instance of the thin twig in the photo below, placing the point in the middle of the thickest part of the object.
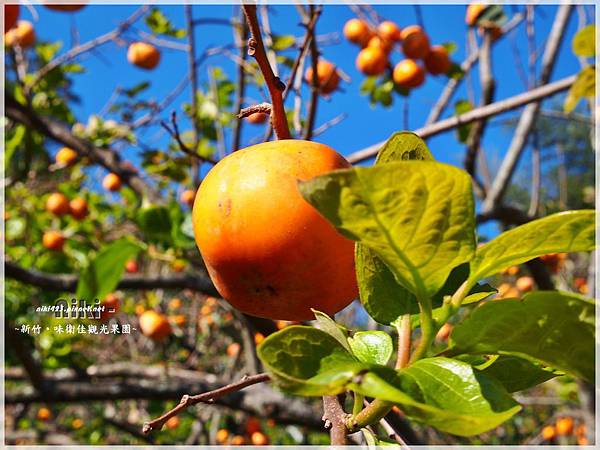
(329, 124)
(206, 397)
(174, 132)
(261, 108)
(334, 418)
(276, 87)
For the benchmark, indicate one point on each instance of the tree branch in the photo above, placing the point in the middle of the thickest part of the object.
(256, 49)
(335, 419)
(475, 114)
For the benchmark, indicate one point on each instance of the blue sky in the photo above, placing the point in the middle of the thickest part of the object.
(363, 126)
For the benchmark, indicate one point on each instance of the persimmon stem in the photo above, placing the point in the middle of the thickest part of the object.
(276, 87)
(358, 404)
(404, 332)
(427, 331)
(373, 413)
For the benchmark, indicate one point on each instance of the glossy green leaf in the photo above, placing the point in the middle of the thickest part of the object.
(517, 374)
(307, 361)
(583, 87)
(584, 42)
(103, 273)
(329, 326)
(417, 216)
(571, 231)
(554, 328)
(402, 146)
(373, 347)
(155, 222)
(463, 131)
(284, 42)
(445, 393)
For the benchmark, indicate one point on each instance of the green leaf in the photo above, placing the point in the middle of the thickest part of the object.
(160, 24)
(584, 42)
(373, 347)
(155, 223)
(517, 374)
(554, 328)
(583, 87)
(492, 16)
(307, 361)
(421, 228)
(103, 273)
(463, 131)
(140, 87)
(571, 231)
(284, 42)
(402, 146)
(329, 326)
(445, 393)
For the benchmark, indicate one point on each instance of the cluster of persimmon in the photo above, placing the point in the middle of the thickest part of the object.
(252, 434)
(59, 205)
(377, 44)
(564, 428)
(516, 283)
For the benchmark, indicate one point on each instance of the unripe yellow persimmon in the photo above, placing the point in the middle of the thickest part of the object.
(267, 250)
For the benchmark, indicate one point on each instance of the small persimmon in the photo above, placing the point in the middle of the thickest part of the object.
(154, 325)
(389, 31)
(131, 266)
(57, 204)
(252, 426)
(242, 217)
(44, 414)
(548, 433)
(371, 61)
(383, 44)
(437, 62)
(173, 422)
(408, 74)
(525, 284)
(78, 208)
(111, 182)
(238, 440)
(258, 438)
(111, 305)
(22, 34)
(53, 240)
(65, 157)
(564, 426)
(415, 42)
(143, 55)
(233, 349)
(187, 197)
(257, 118)
(222, 435)
(474, 10)
(258, 338)
(328, 78)
(358, 32)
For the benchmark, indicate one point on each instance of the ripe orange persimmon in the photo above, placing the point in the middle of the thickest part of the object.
(327, 77)
(179, 319)
(258, 438)
(267, 250)
(548, 433)
(172, 423)
(65, 156)
(69, 7)
(233, 349)
(111, 182)
(175, 303)
(11, 14)
(408, 74)
(257, 118)
(415, 42)
(222, 436)
(22, 34)
(143, 55)
(385, 45)
(78, 208)
(525, 284)
(238, 440)
(187, 197)
(437, 62)
(53, 240)
(371, 61)
(252, 426)
(111, 306)
(57, 204)
(77, 424)
(44, 414)
(358, 32)
(131, 266)
(154, 325)
(564, 426)
(474, 10)
(388, 30)
(258, 338)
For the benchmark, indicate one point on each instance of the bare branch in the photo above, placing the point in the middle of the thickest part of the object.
(476, 114)
(207, 397)
(261, 108)
(335, 419)
(174, 132)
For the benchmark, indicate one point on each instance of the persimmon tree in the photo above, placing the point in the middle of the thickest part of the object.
(454, 341)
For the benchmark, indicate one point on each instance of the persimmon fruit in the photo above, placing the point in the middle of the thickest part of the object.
(415, 42)
(111, 304)
(131, 266)
(328, 78)
(144, 55)
(57, 204)
(371, 61)
(173, 423)
(222, 436)
(358, 32)
(22, 34)
(68, 7)
(111, 182)
(548, 433)
(474, 10)
(44, 414)
(257, 118)
(384, 44)
(11, 14)
(187, 197)
(233, 349)
(252, 426)
(525, 284)
(564, 426)
(267, 250)
(389, 31)
(238, 440)
(258, 438)
(78, 208)
(154, 325)
(408, 74)
(53, 240)
(65, 156)
(437, 61)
